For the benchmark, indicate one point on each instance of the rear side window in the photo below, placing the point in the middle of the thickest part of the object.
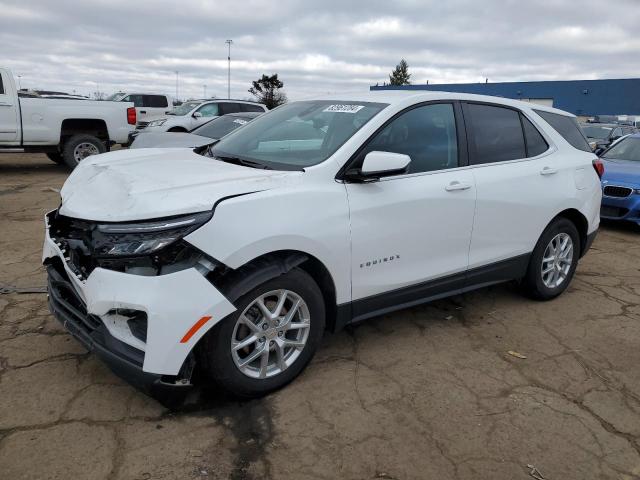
(229, 108)
(138, 100)
(536, 144)
(568, 128)
(247, 107)
(155, 101)
(497, 133)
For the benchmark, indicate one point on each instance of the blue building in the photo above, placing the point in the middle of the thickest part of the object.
(584, 98)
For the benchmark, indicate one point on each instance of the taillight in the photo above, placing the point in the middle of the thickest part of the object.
(131, 115)
(599, 167)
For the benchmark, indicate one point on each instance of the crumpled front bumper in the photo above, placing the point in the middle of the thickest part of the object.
(173, 304)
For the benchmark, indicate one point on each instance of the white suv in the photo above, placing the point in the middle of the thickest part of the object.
(194, 113)
(234, 259)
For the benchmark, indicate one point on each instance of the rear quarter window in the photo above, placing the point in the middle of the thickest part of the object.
(568, 128)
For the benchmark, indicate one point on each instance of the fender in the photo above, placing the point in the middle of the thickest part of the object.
(249, 276)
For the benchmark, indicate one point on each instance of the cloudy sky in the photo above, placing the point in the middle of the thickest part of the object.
(315, 47)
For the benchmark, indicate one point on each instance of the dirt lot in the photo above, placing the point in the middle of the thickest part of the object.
(427, 393)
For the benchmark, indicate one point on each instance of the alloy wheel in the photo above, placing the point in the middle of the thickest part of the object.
(557, 260)
(270, 334)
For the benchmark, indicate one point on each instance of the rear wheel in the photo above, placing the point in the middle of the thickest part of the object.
(81, 146)
(554, 260)
(269, 339)
(56, 157)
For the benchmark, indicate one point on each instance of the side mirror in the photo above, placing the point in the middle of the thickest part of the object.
(197, 115)
(599, 150)
(379, 164)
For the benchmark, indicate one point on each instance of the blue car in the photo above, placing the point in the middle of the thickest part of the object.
(621, 180)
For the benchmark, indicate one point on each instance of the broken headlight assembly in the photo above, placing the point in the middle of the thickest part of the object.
(152, 247)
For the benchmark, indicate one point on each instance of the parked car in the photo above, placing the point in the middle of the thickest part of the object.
(203, 135)
(313, 216)
(194, 113)
(621, 180)
(148, 105)
(601, 135)
(67, 131)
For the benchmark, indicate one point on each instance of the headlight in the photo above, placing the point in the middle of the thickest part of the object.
(143, 238)
(156, 123)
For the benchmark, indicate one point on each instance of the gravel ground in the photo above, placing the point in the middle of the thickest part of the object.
(425, 393)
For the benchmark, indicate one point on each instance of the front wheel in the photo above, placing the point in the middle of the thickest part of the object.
(269, 339)
(554, 260)
(56, 157)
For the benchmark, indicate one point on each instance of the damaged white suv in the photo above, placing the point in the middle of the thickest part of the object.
(231, 260)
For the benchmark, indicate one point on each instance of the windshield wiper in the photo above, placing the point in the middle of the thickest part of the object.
(242, 161)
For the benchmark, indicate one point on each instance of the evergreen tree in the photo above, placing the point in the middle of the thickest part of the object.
(400, 75)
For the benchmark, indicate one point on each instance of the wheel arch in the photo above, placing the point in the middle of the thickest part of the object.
(177, 129)
(581, 223)
(74, 126)
(235, 283)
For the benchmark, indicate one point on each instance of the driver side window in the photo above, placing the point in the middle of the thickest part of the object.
(427, 134)
(209, 110)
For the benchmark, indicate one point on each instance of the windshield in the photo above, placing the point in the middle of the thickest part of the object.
(592, 131)
(185, 108)
(221, 126)
(298, 134)
(626, 149)
(115, 97)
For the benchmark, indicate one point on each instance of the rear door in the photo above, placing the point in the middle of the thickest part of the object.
(155, 105)
(411, 229)
(8, 110)
(519, 185)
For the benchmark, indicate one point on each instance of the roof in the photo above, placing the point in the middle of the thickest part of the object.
(581, 97)
(396, 97)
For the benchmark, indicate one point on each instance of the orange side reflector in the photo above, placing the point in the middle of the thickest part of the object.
(192, 331)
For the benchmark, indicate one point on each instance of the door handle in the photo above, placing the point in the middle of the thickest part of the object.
(456, 185)
(548, 171)
(4, 104)
(143, 111)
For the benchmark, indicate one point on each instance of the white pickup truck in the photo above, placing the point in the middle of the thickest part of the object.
(66, 130)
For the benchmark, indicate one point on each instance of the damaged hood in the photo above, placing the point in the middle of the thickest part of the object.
(151, 183)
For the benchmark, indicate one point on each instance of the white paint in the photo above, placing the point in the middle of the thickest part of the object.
(42, 118)
(426, 225)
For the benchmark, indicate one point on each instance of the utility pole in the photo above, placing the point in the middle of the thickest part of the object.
(177, 73)
(229, 42)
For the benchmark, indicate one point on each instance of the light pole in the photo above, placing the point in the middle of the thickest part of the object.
(205, 91)
(229, 42)
(177, 73)
(19, 82)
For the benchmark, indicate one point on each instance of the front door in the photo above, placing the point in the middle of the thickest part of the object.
(8, 111)
(411, 229)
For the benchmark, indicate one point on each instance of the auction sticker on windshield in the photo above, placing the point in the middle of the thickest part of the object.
(343, 108)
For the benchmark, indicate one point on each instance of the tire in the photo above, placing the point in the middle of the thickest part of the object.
(221, 365)
(544, 287)
(80, 146)
(56, 158)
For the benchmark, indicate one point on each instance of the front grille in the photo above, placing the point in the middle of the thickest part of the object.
(615, 212)
(74, 238)
(615, 191)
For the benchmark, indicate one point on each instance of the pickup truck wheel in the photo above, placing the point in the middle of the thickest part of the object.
(79, 147)
(269, 339)
(56, 157)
